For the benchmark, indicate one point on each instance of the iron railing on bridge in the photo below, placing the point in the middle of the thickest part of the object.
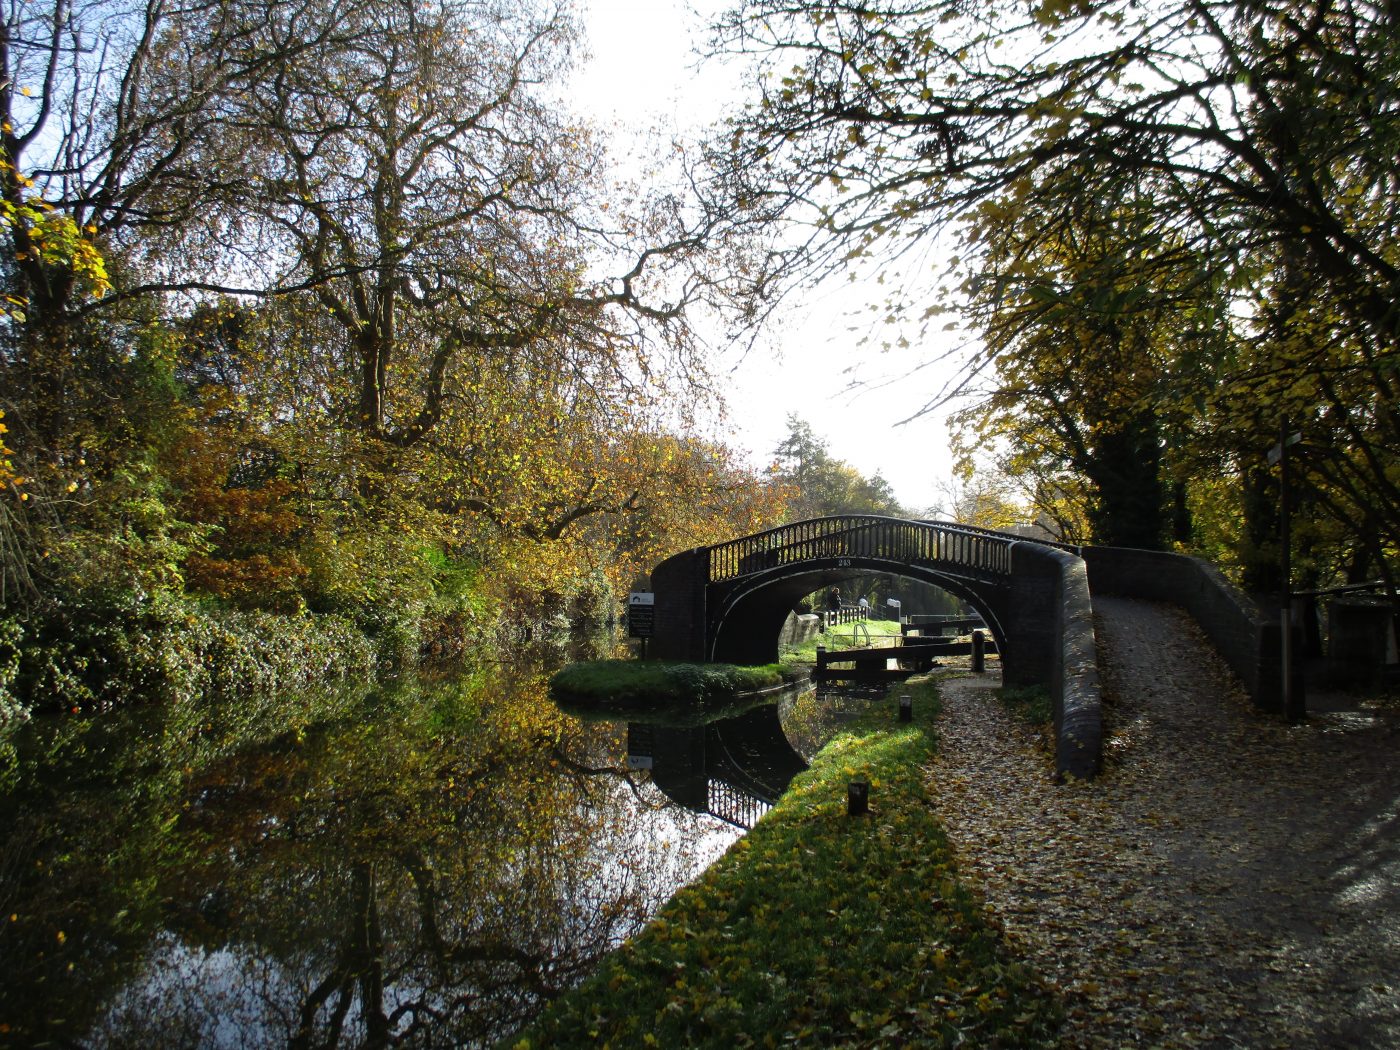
(734, 805)
(845, 614)
(863, 536)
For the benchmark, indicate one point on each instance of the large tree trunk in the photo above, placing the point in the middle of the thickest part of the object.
(1125, 468)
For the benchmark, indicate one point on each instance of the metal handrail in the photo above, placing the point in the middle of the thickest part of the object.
(862, 536)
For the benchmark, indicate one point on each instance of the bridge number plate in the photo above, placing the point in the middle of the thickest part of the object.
(641, 614)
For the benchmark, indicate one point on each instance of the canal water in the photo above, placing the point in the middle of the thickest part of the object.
(418, 865)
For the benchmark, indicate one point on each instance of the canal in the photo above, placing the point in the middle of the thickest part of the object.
(417, 865)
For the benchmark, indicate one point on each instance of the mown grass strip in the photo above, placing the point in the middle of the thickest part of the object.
(820, 929)
(644, 685)
(846, 636)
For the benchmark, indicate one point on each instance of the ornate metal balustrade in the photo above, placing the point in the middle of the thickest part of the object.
(974, 552)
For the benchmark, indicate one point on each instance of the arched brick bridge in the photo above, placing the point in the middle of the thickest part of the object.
(728, 602)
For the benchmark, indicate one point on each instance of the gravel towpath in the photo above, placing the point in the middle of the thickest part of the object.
(1229, 881)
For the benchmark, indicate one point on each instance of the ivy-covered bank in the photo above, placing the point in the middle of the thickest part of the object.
(821, 929)
(218, 666)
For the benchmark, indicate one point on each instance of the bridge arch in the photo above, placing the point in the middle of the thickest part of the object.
(748, 616)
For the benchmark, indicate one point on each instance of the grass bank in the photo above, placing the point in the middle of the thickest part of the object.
(820, 929)
(846, 636)
(635, 686)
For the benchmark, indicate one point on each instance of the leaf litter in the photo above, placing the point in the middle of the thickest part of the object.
(1228, 881)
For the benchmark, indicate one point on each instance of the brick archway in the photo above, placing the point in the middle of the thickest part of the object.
(728, 602)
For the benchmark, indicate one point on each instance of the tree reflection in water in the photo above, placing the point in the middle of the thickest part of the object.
(424, 873)
(812, 717)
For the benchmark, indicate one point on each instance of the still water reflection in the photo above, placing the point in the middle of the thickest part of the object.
(733, 768)
(422, 869)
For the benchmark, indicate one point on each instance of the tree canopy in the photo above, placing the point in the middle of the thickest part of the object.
(334, 306)
(824, 485)
(1208, 187)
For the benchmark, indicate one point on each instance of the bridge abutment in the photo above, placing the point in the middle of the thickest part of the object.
(1030, 611)
(679, 583)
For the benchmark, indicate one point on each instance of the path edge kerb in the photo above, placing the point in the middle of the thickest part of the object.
(1074, 684)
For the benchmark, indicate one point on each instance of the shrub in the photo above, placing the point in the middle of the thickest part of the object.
(12, 712)
(123, 649)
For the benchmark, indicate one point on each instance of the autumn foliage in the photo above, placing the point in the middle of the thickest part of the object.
(332, 314)
(1165, 231)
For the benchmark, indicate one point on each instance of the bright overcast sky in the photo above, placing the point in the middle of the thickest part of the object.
(641, 74)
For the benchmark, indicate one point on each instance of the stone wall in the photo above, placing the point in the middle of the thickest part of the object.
(799, 628)
(1079, 732)
(1241, 632)
(1055, 623)
(679, 584)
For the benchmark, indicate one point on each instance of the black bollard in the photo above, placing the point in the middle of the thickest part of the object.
(857, 798)
(906, 708)
(979, 652)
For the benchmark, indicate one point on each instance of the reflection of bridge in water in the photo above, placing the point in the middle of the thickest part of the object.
(734, 806)
(732, 768)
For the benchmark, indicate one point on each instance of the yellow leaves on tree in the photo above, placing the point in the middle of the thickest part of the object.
(55, 241)
(8, 480)
(568, 485)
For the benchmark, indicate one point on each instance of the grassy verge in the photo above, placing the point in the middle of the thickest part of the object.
(846, 636)
(820, 929)
(629, 686)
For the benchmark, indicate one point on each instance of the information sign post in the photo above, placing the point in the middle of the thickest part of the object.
(641, 617)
